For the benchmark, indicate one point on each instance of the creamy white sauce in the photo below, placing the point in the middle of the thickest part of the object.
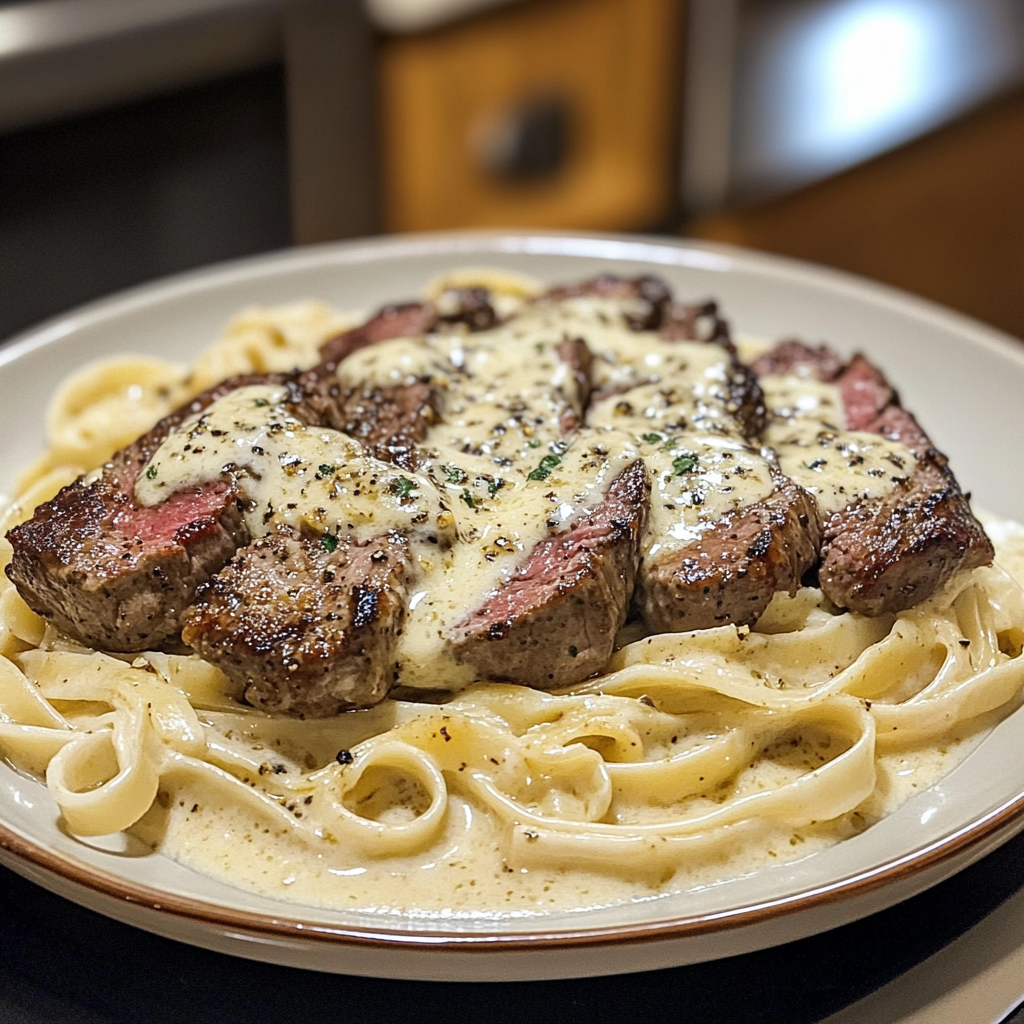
(467, 874)
(840, 467)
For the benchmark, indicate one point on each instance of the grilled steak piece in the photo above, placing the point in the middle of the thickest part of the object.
(889, 553)
(114, 574)
(305, 631)
(470, 307)
(409, 319)
(656, 310)
(731, 573)
(120, 576)
(554, 622)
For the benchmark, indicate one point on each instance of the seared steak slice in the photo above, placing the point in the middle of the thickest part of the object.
(470, 307)
(120, 576)
(554, 622)
(654, 309)
(389, 421)
(114, 574)
(731, 573)
(306, 631)
(409, 319)
(889, 553)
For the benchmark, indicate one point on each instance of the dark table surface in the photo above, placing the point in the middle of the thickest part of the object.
(59, 962)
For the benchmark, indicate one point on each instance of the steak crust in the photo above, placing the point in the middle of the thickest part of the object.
(732, 572)
(554, 622)
(889, 554)
(305, 631)
(120, 576)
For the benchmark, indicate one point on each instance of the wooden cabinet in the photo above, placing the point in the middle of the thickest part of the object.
(548, 113)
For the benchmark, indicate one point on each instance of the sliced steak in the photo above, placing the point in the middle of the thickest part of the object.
(890, 553)
(409, 319)
(554, 622)
(118, 575)
(114, 574)
(468, 307)
(305, 631)
(654, 309)
(731, 573)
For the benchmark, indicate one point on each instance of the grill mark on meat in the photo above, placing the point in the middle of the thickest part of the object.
(731, 573)
(888, 554)
(554, 622)
(304, 631)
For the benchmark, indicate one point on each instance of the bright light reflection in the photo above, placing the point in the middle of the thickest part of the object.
(833, 83)
(870, 72)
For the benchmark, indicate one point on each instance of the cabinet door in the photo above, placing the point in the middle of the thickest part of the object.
(554, 113)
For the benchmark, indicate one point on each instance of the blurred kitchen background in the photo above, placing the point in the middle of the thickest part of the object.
(142, 137)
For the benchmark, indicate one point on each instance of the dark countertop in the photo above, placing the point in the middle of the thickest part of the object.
(61, 963)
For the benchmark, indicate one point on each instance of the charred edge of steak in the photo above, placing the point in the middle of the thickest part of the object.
(577, 355)
(390, 421)
(554, 622)
(304, 631)
(732, 572)
(890, 555)
(887, 555)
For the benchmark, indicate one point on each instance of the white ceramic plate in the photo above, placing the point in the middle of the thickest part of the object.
(961, 378)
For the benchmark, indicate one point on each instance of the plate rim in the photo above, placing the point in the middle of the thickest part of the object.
(289, 924)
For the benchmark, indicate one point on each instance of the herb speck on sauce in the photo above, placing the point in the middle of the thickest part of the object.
(329, 542)
(685, 463)
(468, 498)
(403, 487)
(543, 470)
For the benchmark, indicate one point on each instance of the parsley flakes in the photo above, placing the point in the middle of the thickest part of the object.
(685, 463)
(543, 471)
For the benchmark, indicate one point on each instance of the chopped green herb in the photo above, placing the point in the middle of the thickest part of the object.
(468, 498)
(533, 442)
(543, 471)
(151, 473)
(683, 464)
(651, 438)
(260, 402)
(325, 469)
(573, 651)
(403, 487)
(454, 474)
(493, 486)
(329, 542)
